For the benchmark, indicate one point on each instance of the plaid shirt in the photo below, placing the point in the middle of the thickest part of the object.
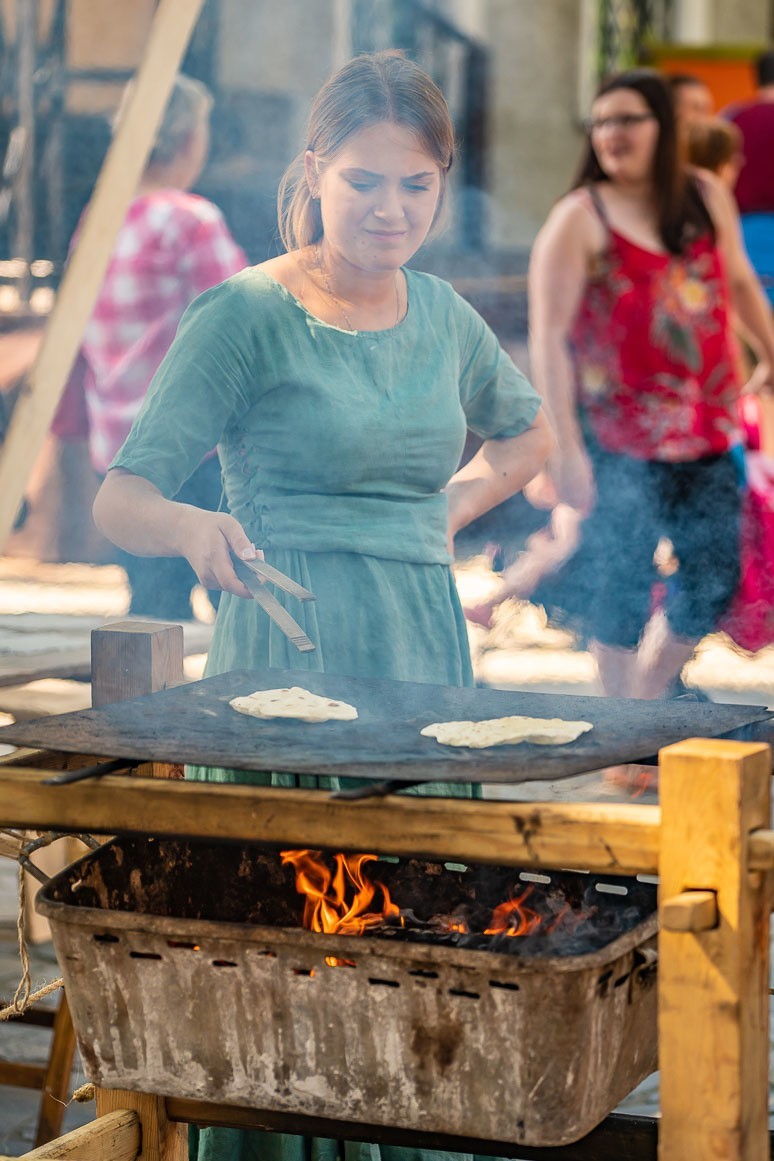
(171, 247)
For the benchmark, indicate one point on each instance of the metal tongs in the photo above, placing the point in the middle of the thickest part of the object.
(252, 573)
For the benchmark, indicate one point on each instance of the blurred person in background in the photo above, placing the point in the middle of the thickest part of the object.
(754, 190)
(716, 145)
(632, 280)
(692, 96)
(172, 246)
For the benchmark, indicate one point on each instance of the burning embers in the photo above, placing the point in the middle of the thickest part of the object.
(484, 908)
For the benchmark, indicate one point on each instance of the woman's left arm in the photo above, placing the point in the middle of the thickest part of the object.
(747, 296)
(499, 468)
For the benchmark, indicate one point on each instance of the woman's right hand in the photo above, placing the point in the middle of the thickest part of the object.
(208, 540)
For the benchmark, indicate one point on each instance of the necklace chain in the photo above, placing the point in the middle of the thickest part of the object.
(334, 298)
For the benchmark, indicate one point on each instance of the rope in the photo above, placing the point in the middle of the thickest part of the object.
(21, 997)
(11, 1011)
(87, 1092)
(24, 997)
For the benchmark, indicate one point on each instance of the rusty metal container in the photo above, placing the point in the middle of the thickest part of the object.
(168, 999)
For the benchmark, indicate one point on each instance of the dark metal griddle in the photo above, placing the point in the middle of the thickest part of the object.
(194, 724)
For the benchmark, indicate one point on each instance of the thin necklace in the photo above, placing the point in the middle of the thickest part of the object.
(337, 300)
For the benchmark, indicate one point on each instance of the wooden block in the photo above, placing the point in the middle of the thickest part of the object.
(691, 911)
(713, 984)
(113, 1137)
(760, 847)
(132, 658)
(161, 1139)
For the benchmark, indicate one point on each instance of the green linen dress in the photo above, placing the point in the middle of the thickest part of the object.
(335, 447)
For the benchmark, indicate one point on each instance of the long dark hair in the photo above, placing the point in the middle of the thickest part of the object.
(681, 212)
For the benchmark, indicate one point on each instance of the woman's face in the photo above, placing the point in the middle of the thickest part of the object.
(378, 197)
(624, 135)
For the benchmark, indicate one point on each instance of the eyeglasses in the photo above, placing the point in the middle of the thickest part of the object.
(623, 121)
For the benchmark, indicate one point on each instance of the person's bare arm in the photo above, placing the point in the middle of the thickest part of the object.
(133, 513)
(499, 468)
(557, 276)
(747, 296)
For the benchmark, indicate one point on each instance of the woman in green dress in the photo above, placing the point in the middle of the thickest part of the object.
(339, 386)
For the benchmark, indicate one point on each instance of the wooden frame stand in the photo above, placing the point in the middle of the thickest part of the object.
(708, 840)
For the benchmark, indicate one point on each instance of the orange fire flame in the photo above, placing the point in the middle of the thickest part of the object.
(327, 907)
(343, 902)
(513, 918)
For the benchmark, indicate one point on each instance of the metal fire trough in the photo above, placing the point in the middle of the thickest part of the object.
(187, 978)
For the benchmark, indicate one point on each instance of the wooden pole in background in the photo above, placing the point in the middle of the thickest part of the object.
(170, 33)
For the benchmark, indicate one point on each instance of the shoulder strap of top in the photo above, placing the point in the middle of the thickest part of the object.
(599, 206)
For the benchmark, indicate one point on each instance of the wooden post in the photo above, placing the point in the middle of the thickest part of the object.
(713, 984)
(169, 36)
(131, 659)
(162, 1140)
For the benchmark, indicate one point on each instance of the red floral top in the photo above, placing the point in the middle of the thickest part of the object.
(653, 354)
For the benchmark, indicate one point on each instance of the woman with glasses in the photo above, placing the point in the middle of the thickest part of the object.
(632, 280)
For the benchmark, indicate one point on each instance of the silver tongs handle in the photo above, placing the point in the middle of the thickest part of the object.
(267, 572)
(273, 609)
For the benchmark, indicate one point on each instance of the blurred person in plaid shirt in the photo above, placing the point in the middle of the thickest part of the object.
(172, 247)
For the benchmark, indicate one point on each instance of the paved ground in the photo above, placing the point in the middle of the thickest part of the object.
(520, 653)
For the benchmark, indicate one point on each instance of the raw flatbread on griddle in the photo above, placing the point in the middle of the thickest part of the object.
(293, 703)
(506, 732)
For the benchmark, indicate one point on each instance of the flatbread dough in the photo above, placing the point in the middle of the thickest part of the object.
(295, 702)
(507, 732)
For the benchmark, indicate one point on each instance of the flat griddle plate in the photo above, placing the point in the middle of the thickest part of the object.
(194, 724)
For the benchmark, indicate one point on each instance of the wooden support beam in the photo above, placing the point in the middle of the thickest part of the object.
(618, 1138)
(161, 1139)
(19, 1075)
(621, 839)
(56, 1083)
(169, 36)
(114, 1137)
(713, 984)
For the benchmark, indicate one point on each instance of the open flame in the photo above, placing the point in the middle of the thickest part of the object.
(338, 902)
(513, 918)
(342, 902)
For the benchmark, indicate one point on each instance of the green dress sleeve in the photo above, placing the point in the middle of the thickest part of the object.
(499, 402)
(207, 380)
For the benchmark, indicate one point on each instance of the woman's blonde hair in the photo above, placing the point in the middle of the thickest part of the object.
(372, 87)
